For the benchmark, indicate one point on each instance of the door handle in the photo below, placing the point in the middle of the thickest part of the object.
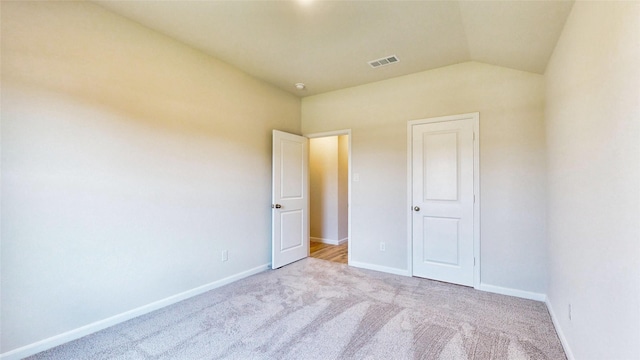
(276, 206)
(416, 208)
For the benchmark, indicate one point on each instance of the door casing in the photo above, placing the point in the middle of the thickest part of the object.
(476, 188)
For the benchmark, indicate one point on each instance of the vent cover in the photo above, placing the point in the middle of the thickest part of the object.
(383, 61)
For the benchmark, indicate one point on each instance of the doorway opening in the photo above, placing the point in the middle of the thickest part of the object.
(329, 196)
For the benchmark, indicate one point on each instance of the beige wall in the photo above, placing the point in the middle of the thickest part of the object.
(512, 160)
(328, 184)
(593, 136)
(323, 179)
(129, 162)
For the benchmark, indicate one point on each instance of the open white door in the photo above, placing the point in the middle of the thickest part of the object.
(444, 154)
(290, 195)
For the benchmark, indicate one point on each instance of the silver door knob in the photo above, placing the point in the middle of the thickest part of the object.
(416, 208)
(277, 206)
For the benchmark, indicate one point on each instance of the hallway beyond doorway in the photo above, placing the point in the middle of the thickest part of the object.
(335, 253)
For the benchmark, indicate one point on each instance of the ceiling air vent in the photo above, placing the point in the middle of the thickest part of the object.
(384, 61)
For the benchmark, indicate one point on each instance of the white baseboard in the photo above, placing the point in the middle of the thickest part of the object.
(385, 269)
(513, 292)
(74, 334)
(329, 241)
(556, 324)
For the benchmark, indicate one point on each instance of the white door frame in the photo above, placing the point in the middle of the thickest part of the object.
(476, 188)
(338, 133)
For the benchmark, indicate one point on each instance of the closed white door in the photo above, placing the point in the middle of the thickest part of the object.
(443, 158)
(290, 194)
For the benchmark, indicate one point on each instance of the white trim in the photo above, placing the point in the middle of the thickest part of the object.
(513, 292)
(77, 333)
(410, 198)
(349, 165)
(561, 336)
(384, 269)
(329, 241)
(328, 133)
(476, 188)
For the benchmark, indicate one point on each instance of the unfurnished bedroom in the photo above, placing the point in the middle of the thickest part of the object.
(320, 180)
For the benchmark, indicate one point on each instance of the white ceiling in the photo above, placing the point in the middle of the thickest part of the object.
(327, 44)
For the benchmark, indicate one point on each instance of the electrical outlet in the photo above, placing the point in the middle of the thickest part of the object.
(569, 312)
(383, 246)
(225, 255)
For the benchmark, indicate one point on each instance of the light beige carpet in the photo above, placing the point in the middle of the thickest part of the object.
(315, 309)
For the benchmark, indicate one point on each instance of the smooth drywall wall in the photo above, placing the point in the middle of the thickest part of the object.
(593, 136)
(129, 162)
(329, 184)
(512, 163)
(323, 179)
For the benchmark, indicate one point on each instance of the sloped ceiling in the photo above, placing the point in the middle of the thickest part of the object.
(327, 44)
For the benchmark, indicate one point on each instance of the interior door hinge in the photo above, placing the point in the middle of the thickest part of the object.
(474, 261)
(474, 136)
(474, 198)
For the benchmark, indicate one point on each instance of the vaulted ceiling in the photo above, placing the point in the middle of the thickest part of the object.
(327, 44)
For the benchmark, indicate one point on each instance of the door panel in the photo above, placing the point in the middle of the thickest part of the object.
(290, 194)
(292, 169)
(441, 158)
(441, 240)
(443, 200)
(292, 235)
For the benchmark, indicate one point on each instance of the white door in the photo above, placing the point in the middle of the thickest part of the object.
(443, 181)
(290, 194)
